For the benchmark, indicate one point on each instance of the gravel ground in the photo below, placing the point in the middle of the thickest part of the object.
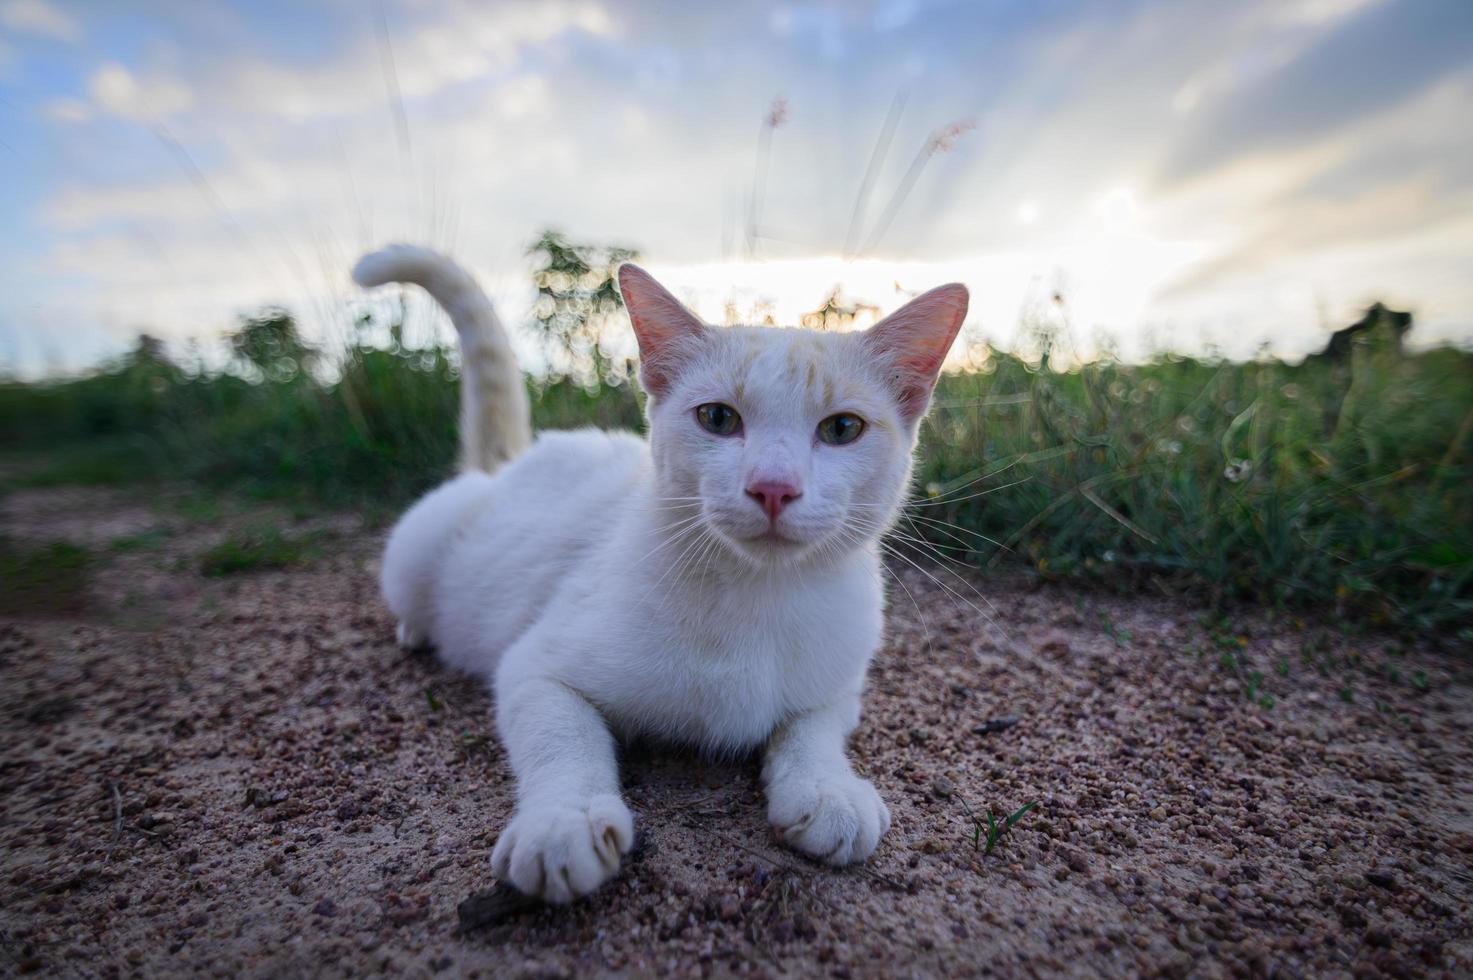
(244, 776)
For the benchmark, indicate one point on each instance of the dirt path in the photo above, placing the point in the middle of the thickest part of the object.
(243, 776)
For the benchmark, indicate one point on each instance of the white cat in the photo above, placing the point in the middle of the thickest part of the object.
(717, 585)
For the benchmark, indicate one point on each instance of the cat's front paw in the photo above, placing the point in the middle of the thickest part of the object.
(836, 818)
(562, 851)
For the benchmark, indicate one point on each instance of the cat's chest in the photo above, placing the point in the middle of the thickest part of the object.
(725, 692)
(724, 681)
(719, 702)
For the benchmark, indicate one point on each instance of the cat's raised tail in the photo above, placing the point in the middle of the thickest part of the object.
(495, 414)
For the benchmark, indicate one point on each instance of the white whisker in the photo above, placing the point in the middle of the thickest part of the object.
(950, 591)
(925, 546)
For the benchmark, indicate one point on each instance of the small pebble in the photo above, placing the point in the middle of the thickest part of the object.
(1383, 878)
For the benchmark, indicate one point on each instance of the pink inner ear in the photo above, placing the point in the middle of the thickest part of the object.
(662, 325)
(914, 340)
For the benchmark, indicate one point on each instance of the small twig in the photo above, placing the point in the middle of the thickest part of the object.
(493, 906)
(117, 821)
(1021, 652)
(72, 882)
(709, 796)
(883, 878)
(503, 902)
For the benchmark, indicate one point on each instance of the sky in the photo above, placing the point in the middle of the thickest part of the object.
(1233, 177)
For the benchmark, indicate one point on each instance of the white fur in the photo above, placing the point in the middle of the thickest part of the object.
(612, 587)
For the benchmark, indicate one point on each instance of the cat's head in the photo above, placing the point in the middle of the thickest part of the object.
(792, 443)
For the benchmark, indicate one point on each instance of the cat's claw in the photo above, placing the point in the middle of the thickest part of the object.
(559, 852)
(838, 819)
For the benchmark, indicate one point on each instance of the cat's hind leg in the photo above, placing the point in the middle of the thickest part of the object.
(411, 637)
(416, 553)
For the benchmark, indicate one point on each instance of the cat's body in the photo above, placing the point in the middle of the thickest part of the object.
(555, 529)
(718, 586)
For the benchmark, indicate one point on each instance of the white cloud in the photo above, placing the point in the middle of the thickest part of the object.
(1259, 42)
(1318, 12)
(471, 42)
(299, 171)
(67, 110)
(39, 18)
(117, 90)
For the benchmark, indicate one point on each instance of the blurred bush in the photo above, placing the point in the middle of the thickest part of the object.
(1344, 483)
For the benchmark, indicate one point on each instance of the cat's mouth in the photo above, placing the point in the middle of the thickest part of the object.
(769, 544)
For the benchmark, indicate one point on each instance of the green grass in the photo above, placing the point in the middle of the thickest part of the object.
(95, 466)
(199, 508)
(987, 832)
(1349, 491)
(149, 540)
(1342, 489)
(258, 549)
(49, 579)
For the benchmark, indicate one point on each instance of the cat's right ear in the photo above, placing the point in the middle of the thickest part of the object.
(666, 330)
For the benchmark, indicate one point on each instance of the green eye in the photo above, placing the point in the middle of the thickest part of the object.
(718, 419)
(838, 430)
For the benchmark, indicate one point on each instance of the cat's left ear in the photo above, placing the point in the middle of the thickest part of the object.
(913, 342)
(665, 329)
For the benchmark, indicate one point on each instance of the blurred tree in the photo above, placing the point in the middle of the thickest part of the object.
(147, 368)
(147, 354)
(269, 345)
(1381, 329)
(837, 314)
(1357, 356)
(144, 379)
(579, 310)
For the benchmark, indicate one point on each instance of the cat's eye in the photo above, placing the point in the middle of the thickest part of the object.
(718, 419)
(837, 430)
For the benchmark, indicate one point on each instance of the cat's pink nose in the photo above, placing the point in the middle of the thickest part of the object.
(773, 495)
